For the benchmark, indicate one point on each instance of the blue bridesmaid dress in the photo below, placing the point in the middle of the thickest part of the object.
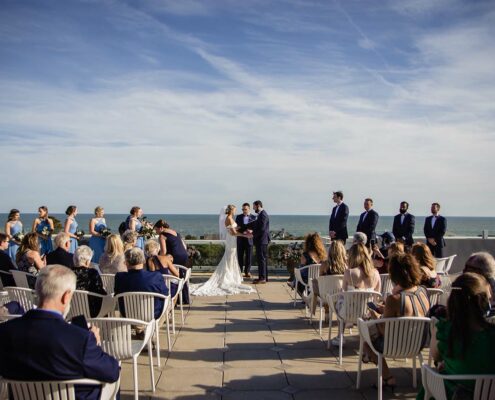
(73, 242)
(97, 243)
(139, 225)
(13, 246)
(46, 245)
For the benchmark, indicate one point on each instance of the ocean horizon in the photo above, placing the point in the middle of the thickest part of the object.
(297, 225)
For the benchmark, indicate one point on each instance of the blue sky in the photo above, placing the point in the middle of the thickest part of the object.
(183, 106)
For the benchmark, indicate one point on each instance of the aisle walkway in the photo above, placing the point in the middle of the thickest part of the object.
(257, 346)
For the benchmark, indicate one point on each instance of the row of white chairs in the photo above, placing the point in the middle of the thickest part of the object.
(444, 264)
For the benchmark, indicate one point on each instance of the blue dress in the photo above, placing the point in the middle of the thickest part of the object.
(46, 245)
(15, 228)
(175, 247)
(73, 241)
(97, 243)
(139, 225)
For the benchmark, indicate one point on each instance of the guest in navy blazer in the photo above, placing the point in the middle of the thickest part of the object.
(61, 253)
(6, 263)
(244, 244)
(138, 279)
(261, 238)
(337, 227)
(434, 230)
(368, 221)
(41, 346)
(403, 227)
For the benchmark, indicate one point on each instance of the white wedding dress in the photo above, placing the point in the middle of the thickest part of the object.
(227, 278)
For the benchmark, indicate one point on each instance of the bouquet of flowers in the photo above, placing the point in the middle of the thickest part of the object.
(80, 234)
(105, 232)
(147, 230)
(193, 253)
(46, 231)
(18, 237)
(292, 253)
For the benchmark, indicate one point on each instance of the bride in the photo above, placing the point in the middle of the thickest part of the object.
(227, 277)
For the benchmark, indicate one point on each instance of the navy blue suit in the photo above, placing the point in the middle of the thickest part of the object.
(244, 245)
(41, 346)
(60, 256)
(338, 222)
(261, 238)
(6, 265)
(404, 230)
(368, 225)
(437, 233)
(141, 280)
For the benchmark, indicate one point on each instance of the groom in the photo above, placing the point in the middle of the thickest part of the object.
(244, 244)
(261, 238)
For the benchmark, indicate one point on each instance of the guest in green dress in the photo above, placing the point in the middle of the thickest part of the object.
(464, 343)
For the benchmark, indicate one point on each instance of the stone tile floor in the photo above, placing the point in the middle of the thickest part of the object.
(257, 346)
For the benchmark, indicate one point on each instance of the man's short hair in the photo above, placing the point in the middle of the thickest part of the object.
(339, 194)
(134, 256)
(436, 204)
(483, 262)
(246, 205)
(82, 255)
(3, 237)
(405, 202)
(258, 203)
(61, 239)
(53, 281)
(360, 237)
(368, 199)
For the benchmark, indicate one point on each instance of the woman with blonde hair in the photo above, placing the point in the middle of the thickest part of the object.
(422, 253)
(336, 263)
(361, 273)
(28, 257)
(112, 259)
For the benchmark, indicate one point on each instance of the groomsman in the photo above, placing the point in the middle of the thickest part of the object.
(244, 245)
(403, 228)
(434, 230)
(367, 221)
(261, 237)
(337, 226)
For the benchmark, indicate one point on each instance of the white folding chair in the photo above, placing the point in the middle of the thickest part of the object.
(169, 279)
(402, 338)
(434, 296)
(450, 261)
(116, 340)
(441, 264)
(21, 278)
(24, 296)
(386, 285)
(52, 390)
(6, 318)
(434, 384)
(4, 298)
(141, 306)
(108, 282)
(187, 277)
(354, 305)
(327, 285)
(313, 272)
(446, 286)
(79, 304)
(6, 275)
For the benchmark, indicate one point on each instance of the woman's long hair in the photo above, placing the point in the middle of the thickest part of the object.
(337, 258)
(314, 244)
(422, 254)
(29, 242)
(114, 246)
(12, 212)
(359, 257)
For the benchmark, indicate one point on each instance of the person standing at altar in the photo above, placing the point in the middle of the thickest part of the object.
(97, 225)
(13, 227)
(134, 223)
(261, 238)
(434, 230)
(43, 226)
(337, 227)
(244, 244)
(368, 221)
(70, 227)
(403, 227)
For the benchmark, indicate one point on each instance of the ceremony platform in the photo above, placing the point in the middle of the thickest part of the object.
(258, 346)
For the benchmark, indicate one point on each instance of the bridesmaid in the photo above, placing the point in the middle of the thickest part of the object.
(171, 243)
(12, 228)
(46, 223)
(96, 226)
(134, 224)
(70, 227)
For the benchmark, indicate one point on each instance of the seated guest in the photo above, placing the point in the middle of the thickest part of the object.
(313, 253)
(422, 253)
(130, 239)
(112, 260)
(61, 253)
(408, 300)
(361, 273)
(359, 237)
(88, 278)
(158, 263)
(65, 351)
(28, 258)
(381, 255)
(482, 263)
(336, 263)
(11, 308)
(6, 263)
(463, 343)
(137, 279)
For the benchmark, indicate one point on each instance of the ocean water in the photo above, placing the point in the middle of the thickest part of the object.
(298, 225)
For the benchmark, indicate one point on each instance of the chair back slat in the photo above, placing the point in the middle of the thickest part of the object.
(313, 271)
(355, 304)
(46, 390)
(108, 282)
(386, 284)
(329, 285)
(441, 264)
(115, 337)
(79, 305)
(21, 278)
(138, 305)
(434, 296)
(449, 263)
(404, 337)
(24, 296)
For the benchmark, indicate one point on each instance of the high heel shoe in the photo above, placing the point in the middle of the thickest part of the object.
(387, 384)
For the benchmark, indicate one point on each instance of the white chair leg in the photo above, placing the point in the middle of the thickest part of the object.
(152, 371)
(173, 319)
(181, 310)
(321, 318)
(157, 333)
(415, 380)
(135, 376)
(341, 340)
(168, 334)
(360, 361)
(380, 372)
(329, 335)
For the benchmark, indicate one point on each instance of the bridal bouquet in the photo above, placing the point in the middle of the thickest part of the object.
(147, 230)
(105, 232)
(80, 234)
(46, 231)
(18, 237)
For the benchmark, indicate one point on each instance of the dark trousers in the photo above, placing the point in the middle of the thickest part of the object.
(437, 251)
(262, 258)
(244, 253)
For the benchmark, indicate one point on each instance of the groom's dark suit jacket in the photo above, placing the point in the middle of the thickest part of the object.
(261, 229)
(239, 219)
(404, 230)
(338, 222)
(368, 225)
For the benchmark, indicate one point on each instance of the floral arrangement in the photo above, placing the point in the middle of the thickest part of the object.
(147, 231)
(80, 234)
(105, 232)
(46, 231)
(292, 252)
(193, 253)
(18, 237)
